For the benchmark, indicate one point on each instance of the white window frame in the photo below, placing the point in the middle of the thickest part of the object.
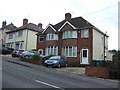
(52, 50)
(83, 33)
(41, 36)
(69, 34)
(10, 36)
(66, 51)
(51, 36)
(20, 33)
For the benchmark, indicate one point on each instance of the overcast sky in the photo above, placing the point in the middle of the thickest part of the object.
(101, 13)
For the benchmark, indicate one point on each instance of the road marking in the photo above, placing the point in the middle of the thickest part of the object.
(49, 84)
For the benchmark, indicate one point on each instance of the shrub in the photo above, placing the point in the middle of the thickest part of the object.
(36, 57)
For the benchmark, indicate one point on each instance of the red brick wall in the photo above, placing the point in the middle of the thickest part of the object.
(102, 72)
(41, 45)
(85, 43)
(79, 42)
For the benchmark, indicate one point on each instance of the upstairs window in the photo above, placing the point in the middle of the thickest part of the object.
(10, 36)
(41, 38)
(85, 33)
(52, 36)
(69, 34)
(20, 33)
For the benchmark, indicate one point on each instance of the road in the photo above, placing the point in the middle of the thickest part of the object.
(34, 76)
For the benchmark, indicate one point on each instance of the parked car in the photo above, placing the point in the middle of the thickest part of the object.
(5, 50)
(27, 54)
(56, 61)
(16, 52)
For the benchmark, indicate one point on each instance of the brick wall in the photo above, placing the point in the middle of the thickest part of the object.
(79, 42)
(102, 72)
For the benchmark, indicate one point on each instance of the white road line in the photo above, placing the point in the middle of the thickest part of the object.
(49, 84)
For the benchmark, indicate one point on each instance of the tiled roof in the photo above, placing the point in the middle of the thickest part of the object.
(29, 26)
(10, 27)
(78, 22)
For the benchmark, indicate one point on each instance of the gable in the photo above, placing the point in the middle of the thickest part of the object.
(67, 25)
(48, 30)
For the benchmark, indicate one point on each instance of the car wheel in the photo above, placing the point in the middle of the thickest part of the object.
(59, 65)
(26, 56)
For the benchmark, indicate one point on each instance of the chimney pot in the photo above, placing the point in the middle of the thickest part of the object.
(4, 24)
(25, 21)
(40, 25)
(67, 16)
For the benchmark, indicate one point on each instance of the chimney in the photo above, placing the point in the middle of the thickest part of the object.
(40, 25)
(4, 24)
(67, 16)
(25, 21)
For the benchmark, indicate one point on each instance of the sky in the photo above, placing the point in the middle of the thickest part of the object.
(101, 13)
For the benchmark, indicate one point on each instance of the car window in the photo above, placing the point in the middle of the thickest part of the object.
(55, 57)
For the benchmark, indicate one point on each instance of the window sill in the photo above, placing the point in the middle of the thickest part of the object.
(71, 56)
(68, 38)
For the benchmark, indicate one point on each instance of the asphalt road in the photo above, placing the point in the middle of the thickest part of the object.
(34, 76)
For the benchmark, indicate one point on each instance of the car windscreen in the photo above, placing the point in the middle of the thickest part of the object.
(55, 57)
(21, 50)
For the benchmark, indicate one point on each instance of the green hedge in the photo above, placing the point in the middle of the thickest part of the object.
(36, 57)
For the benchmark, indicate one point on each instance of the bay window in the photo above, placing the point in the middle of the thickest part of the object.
(51, 36)
(69, 34)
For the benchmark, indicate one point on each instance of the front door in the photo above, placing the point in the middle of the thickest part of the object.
(84, 56)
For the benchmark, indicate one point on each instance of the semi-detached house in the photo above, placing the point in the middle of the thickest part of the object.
(24, 37)
(77, 39)
(5, 28)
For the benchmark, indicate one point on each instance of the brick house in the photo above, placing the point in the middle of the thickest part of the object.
(77, 39)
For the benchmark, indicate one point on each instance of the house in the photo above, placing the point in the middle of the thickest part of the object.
(5, 28)
(76, 38)
(24, 37)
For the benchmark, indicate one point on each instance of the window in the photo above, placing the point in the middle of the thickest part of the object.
(41, 38)
(51, 50)
(20, 33)
(52, 36)
(84, 53)
(10, 36)
(85, 33)
(69, 51)
(21, 46)
(17, 46)
(69, 34)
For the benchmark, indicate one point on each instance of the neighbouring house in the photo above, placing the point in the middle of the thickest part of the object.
(24, 37)
(5, 28)
(76, 38)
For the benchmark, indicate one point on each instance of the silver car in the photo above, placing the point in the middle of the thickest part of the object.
(27, 54)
